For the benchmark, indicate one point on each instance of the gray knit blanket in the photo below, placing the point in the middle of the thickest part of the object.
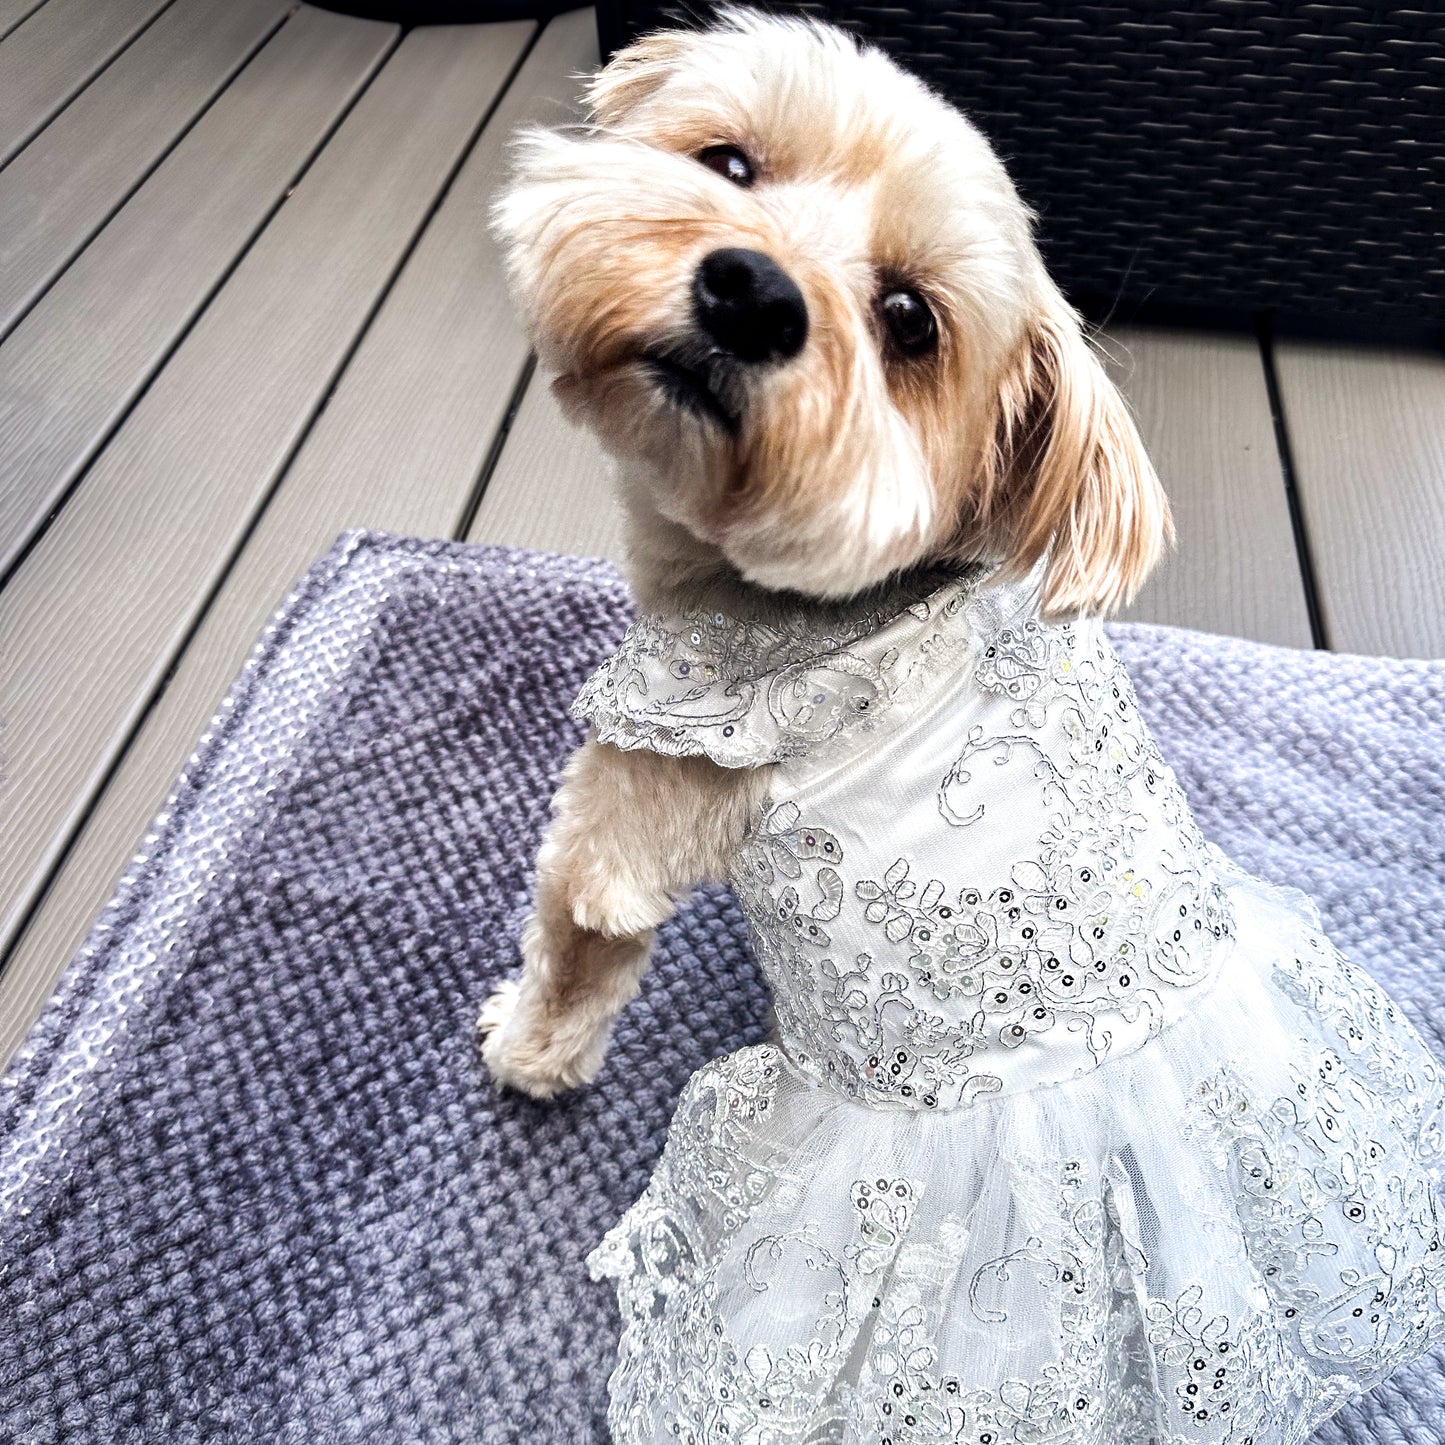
(254, 1183)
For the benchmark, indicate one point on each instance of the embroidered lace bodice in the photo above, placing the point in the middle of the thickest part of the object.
(974, 871)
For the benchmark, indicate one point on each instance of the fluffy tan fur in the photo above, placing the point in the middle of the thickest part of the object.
(633, 832)
(848, 462)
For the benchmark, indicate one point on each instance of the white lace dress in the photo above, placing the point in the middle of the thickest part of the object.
(1071, 1132)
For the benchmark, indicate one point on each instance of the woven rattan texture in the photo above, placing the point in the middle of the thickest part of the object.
(1256, 154)
(255, 1185)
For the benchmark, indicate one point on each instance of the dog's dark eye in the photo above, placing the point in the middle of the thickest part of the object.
(730, 163)
(909, 321)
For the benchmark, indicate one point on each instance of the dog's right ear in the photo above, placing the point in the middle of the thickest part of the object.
(633, 74)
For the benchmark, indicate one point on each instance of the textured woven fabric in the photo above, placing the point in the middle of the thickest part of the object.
(1236, 153)
(254, 1183)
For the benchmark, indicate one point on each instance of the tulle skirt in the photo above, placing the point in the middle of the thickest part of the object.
(1220, 1237)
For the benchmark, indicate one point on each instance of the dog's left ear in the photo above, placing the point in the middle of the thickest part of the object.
(1071, 479)
(634, 73)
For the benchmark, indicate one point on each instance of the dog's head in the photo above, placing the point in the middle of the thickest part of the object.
(798, 296)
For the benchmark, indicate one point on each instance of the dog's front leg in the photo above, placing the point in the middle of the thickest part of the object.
(632, 832)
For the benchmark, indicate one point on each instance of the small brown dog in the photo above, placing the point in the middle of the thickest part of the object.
(1069, 1130)
(797, 297)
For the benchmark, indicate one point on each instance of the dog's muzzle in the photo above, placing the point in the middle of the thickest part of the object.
(749, 306)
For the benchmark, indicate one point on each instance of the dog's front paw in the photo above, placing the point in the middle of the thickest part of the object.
(498, 1010)
(524, 1053)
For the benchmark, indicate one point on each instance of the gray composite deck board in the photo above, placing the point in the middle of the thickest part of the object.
(71, 369)
(398, 448)
(417, 411)
(551, 487)
(12, 12)
(48, 58)
(1202, 403)
(105, 601)
(72, 177)
(1367, 435)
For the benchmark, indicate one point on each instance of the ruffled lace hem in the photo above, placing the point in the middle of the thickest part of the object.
(1221, 1237)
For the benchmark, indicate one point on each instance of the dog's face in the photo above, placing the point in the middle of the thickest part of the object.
(798, 296)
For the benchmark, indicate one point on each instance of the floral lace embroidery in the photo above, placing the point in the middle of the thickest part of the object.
(1308, 1329)
(911, 1402)
(1079, 936)
(1368, 1024)
(685, 1372)
(747, 693)
(1306, 1169)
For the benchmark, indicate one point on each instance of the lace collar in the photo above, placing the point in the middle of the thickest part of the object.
(749, 692)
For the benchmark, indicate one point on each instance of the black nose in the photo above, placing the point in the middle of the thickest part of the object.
(750, 306)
